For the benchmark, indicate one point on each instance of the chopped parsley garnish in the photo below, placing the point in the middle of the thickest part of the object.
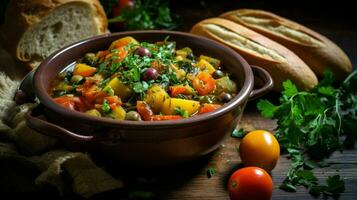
(182, 112)
(106, 107)
(211, 171)
(238, 133)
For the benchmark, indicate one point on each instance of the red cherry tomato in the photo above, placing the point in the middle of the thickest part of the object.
(250, 183)
(116, 11)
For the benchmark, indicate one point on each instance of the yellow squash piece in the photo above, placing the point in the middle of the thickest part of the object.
(118, 113)
(183, 53)
(155, 97)
(205, 66)
(213, 61)
(93, 112)
(120, 89)
(84, 70)
(189, 105)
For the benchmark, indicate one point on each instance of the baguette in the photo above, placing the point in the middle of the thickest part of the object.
(281, 63)
(318, 52)
(34, 29)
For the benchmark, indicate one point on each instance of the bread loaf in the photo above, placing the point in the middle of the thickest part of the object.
(318, 52)
(35, 29)
(281, 63)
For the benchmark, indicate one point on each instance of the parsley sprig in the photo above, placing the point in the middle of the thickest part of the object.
(311, 126)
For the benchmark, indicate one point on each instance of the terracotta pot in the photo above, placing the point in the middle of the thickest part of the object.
(144, 143)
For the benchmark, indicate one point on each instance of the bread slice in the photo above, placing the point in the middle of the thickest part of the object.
(281, 63)
(318, 52)
(35, 29)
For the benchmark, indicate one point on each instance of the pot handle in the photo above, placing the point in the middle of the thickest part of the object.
(266, 79)
(36, 122)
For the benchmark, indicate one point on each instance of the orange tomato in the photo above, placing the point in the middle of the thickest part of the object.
(250, 183)
(204, 83)
(259, 148)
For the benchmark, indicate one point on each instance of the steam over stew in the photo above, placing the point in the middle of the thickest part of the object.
(144, 81)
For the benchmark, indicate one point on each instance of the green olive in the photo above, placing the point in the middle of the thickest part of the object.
(90, 58)
(225, 97)
(133, 116)
(218, 74)
(76, 78)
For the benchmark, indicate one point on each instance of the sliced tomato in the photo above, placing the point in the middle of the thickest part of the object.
(165, 117)
(207, 107)
(204, 83)
(144, 110)
(73, 103)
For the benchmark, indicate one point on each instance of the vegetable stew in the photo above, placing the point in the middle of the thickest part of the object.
(144, 81)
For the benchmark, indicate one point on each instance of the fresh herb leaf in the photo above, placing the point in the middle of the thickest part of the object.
(106, 107)
(211, 171)
(109, 90)
(266, 108)
(238, 133)
(182, 112)
(140, 87)
(289, 88)
(335, 185)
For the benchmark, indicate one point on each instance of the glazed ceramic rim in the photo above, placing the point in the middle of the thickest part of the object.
(48, 102)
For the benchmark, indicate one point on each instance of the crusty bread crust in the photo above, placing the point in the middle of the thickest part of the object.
(21, 15)
(292, 68)
(317, 57)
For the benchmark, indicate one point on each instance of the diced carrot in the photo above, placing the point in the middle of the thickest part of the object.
(144, 110)
(207, 107)
(165, 117)
(176, 90)
(181, 89)
(113, 100)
